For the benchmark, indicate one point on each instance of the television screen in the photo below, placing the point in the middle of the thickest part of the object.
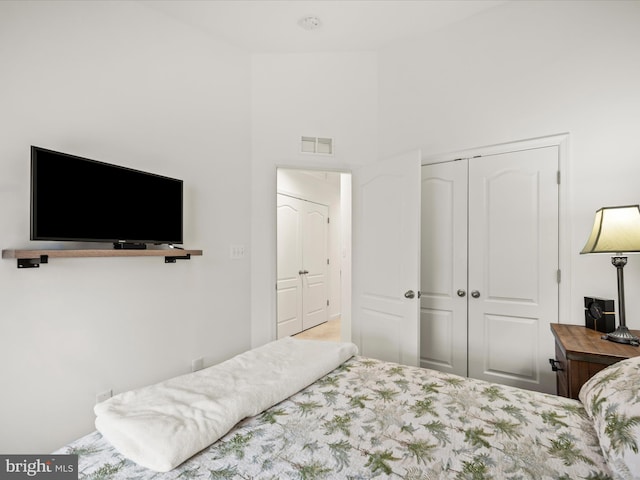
(78, 199)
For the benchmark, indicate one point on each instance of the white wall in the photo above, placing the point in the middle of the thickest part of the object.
(524, 70)
(326, 95)
(121, 83)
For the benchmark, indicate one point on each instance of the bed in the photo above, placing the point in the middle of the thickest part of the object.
(368, 418)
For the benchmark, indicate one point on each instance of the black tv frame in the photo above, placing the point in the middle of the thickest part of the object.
(128, 175)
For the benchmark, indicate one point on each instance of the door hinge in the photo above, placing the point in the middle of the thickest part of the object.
(558, 177)
(327, 219)
(559, 275)
(327, 261)
(327, 302)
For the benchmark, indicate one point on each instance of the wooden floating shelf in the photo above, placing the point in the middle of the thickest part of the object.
(33, 258)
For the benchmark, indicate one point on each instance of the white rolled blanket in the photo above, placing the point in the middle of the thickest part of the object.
(162, 425)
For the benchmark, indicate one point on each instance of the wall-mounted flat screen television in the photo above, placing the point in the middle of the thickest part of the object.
(78, 199)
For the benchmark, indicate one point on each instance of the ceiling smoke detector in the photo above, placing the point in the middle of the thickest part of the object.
(309, 22)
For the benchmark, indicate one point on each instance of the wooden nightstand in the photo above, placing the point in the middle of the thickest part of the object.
(581, 353)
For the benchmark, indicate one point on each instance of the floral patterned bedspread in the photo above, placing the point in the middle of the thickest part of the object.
(372, 419)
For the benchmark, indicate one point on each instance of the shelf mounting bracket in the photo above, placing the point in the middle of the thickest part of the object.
(32, 262)
(173, 258)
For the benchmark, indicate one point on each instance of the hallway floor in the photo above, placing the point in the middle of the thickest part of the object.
(329, 331)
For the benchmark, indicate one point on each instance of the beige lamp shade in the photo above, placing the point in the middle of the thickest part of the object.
(615, 230)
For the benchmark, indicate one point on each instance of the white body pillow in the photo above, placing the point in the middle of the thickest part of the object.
(162, 425)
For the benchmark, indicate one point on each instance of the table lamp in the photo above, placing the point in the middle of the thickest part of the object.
(617, 230)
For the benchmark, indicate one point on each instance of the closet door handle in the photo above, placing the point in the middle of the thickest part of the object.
(475, 294)
(409, 294)
(303, 272)
(461, 293)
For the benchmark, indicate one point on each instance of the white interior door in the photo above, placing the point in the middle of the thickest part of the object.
(443, 277)
(513, 265)
(314, 265)
(289, 281)
(386, 259)
(302, 265)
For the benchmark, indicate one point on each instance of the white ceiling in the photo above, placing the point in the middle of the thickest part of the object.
(262, 26)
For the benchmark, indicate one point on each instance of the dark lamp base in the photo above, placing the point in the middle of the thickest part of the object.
(622, 335)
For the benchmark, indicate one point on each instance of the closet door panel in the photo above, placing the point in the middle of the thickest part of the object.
(503, 354)
(511, 233)
(437, 348)
(443, 311)
(513, 262)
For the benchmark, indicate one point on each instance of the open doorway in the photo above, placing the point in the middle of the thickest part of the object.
(313, 263)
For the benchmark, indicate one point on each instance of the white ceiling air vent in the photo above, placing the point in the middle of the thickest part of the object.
(316, 145)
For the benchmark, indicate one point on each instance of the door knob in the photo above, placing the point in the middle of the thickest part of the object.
(461, 293)
(475, 294)
(409, 294)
